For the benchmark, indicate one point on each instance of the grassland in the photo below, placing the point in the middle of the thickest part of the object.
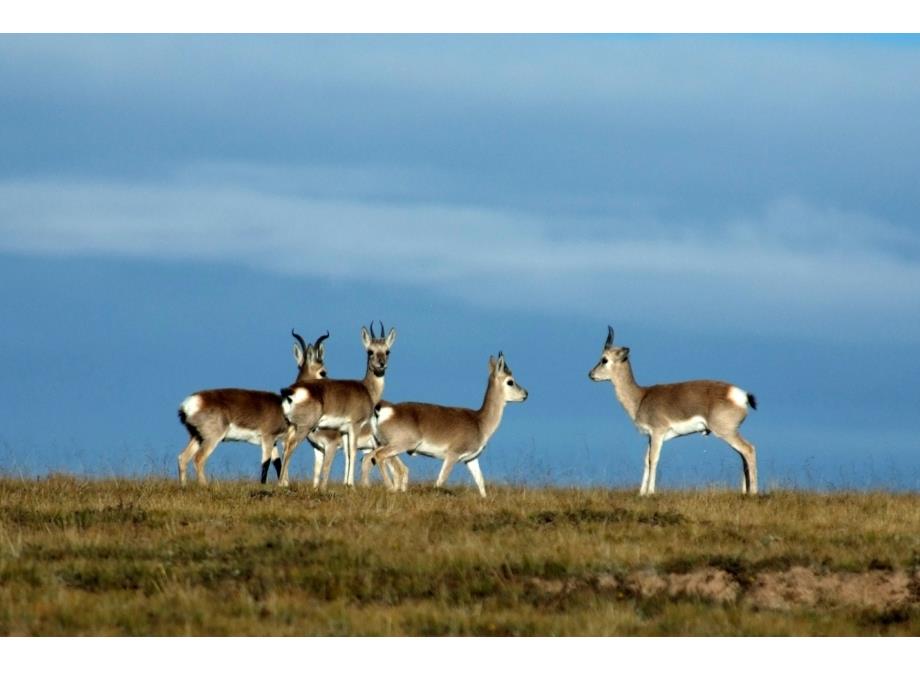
(132, 557)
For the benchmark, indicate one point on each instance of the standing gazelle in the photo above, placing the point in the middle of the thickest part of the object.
(234, 414)
(665, 411)
(453, 434)
(338, 405)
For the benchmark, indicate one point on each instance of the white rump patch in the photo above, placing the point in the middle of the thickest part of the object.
(238, 433)
(191, 405)
(738, 396)
(384, 414)
(297, 397)
(694, 425)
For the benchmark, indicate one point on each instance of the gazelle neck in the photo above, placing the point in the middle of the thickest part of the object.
(493, 405)
(628, 392)
(304, 376)
(374, 384)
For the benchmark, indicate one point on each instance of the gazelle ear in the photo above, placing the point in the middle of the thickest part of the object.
(491, 364)
(299, 354)
(391, 337)
(365, 337)
(500, 364)
(319, 348)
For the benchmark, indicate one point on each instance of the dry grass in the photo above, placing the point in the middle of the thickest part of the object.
(148, 558)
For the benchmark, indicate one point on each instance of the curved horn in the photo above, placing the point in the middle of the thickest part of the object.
(303, 345)
(372, 330)
(609, 337)
(320, 340)
(383, 330)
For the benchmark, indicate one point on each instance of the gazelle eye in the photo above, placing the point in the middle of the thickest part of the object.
(323, 373)
(510, 382)
(604, 360)
(388, 352)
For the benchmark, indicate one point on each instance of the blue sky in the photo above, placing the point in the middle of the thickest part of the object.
(741, 208)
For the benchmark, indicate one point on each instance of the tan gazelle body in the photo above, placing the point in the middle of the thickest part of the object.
(453, 434)
(235, 414)
(666, 411)
(337, 405)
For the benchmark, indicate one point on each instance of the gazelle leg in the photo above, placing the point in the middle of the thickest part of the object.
(351, 449)
(643, 488)
(752, 470)
(748, 460)
(654, 452)
(268, 448)
(291, 441)
(371, 458)
(388, 463)
(390, 475)
(190, 449)
(377, 457)
(367, 462)
(386, 467)
(276, 460)
(404, 475)
(400, 472)
(201, 457)
(446, 467)
(318, 461)
(473, 467)
(328, 457)
(387, 460)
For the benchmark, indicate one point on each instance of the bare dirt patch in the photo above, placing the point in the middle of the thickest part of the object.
(796, 587)
(800, 586)
(710, 584)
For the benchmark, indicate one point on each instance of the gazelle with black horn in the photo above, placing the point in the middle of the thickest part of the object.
(453, 434)
(326, 443)
(666, 411)
(337, 405)
(235, 414)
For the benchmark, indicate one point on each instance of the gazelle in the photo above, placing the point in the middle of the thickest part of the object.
(337, 405)
(453, 434)
(665, 411)
(234, 414)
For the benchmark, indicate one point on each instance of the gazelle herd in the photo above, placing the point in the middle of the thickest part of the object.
(333, 413)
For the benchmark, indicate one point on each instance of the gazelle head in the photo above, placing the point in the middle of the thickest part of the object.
(309, 358)
(612, 357)
(504, 379)
(378, 348)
